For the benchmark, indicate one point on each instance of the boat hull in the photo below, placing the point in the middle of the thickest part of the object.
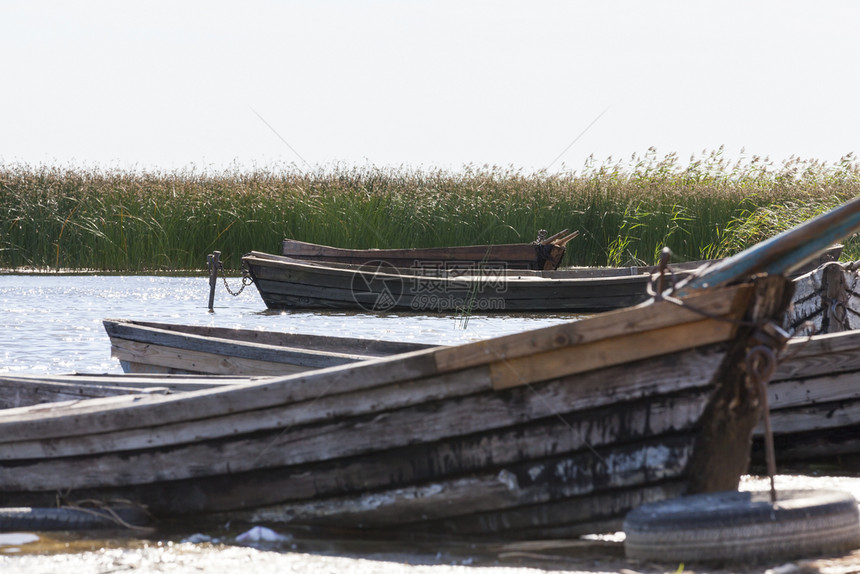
(290, 284)
(556, 431)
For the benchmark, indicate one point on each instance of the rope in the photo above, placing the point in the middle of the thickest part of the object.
(761, 364)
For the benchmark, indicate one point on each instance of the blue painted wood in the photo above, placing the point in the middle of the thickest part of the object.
(782, 253)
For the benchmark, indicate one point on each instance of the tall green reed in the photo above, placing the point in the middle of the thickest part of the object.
(626, 211)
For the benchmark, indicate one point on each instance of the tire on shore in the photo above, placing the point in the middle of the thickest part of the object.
(743, 526)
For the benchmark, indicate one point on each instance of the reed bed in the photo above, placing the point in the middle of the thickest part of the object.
(626, 211)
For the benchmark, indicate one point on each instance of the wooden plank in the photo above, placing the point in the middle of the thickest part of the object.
(573, 475)
(431, 461)
(17, 392)
(216, 346)
(607, 352)
(149, 332)
(174, 382)
(832, 387)
(602, 327)
(175, 359)
(423, 462)
(816, 417)
(822, 355)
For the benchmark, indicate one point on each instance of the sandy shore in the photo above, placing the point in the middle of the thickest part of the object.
(188, 558)
(277, 551)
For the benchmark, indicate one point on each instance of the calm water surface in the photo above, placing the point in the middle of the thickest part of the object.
(53, 323)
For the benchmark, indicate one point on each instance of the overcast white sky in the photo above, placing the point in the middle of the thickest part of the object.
(168, 84)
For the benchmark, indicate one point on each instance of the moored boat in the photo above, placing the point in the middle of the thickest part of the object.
(285, 283)
(545, 253)
(153, 347)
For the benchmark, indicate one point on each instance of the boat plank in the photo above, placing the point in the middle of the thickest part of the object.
(21, 391)
(575, 475)
(815, 417)
(174, 359)
(822, 388)
(147, 331)
(131, 412)
(294, 444)
(607, 352)
(598, 328)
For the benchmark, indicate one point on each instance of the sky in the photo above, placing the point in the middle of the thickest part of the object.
(537, 84)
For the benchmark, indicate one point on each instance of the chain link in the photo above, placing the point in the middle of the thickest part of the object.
(246, 280)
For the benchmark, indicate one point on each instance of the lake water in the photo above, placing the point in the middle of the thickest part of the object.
(53, 323)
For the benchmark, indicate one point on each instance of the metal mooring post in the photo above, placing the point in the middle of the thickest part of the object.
(214, 261)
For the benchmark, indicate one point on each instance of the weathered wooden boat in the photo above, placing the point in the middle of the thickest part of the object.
(560, 429)
(543, 253)
(151, 347)
(814, 399)
(551, 432)
(826, 300)
(285, 283)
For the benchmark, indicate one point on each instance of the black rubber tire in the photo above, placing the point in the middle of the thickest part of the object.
(743, 526)
(44, 519)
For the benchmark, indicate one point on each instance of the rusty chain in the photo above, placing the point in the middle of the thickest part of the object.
(246, 280)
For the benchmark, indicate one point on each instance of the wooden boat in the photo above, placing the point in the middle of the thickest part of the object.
(814, 399)
(149, 347)
(285, 283)
(826, 300)
(552, 432)
(558, 430)
(544, 253)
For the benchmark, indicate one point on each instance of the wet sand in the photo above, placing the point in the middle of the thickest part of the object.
(182, 558)
(300, 551)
